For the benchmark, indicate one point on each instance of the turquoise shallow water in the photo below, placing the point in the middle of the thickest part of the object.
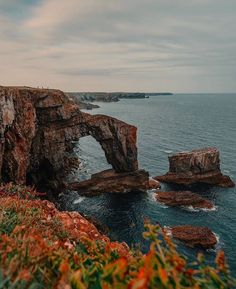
(166, 124)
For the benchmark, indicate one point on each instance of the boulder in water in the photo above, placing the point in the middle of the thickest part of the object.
(193, 236)
(184, 198)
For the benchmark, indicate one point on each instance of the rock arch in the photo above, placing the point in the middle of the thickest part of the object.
(38, 125)
(117, 139)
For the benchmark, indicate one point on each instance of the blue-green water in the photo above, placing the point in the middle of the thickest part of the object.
(167, 124)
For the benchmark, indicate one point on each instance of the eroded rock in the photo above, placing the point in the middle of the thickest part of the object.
(111, 182)
(197, 166)
(186, 198)
(37, 130)
(153, 184)
(194, 236)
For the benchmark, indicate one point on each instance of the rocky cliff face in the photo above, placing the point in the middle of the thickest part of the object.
(37, 130)
(197, 166)
(195, 162)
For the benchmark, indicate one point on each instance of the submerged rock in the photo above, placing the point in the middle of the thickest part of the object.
(194, 236)
(111, 182)
(37, 130)
(185, 198)
(197, 166)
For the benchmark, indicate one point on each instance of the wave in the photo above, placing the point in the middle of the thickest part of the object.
(218, 245)
(79, 200)
(168, 151)
(152, 196)
(192, 209)
(168, 231)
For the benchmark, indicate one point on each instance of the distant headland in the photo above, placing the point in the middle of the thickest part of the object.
(112, 96)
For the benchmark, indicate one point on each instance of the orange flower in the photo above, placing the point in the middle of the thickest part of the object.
(163, 275)
(64, 267)
(24, 274)
(220, 261)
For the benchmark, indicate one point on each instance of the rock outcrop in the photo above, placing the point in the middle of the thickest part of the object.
(197, 166)
(186, 199)
(37, 130)
(193, 236)
(153, 184)
(111, 182)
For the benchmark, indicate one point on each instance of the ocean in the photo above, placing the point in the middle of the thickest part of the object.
(166, 125)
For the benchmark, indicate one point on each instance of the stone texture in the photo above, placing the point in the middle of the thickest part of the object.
(37, 130)
(197, 166)
(194, 236)
(186, 198)
(111, 182)
(153, 184)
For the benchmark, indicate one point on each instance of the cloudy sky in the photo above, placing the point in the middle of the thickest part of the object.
(119, 45)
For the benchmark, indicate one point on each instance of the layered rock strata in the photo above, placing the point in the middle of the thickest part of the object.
(186, 199)
(111, 182)
(197, 166)
(37, 130)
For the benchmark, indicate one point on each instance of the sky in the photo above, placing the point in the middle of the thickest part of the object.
(119, 45)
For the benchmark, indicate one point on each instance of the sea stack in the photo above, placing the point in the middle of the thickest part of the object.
(197, 166)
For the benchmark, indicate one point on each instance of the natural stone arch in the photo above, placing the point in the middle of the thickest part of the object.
(37, 126)
(117, 139)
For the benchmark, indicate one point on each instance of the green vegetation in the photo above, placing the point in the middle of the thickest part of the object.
(37, 251)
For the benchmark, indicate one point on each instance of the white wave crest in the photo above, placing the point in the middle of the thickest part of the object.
(218, 245)
(168, 151)
(79, 200)
(168, 231)
(192, 209)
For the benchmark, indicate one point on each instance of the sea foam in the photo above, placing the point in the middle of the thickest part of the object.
(79, 200)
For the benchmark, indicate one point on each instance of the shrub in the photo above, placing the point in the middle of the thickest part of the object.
(38, 252)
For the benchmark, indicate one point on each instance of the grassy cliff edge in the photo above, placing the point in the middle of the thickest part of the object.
(41, 247)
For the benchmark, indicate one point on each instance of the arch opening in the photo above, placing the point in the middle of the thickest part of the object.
(91, 156)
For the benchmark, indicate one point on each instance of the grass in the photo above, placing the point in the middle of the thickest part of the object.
(38, 250)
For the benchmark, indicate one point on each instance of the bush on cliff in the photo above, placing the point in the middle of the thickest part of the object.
(37, 251)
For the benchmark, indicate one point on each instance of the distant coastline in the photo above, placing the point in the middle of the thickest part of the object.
(112, 96)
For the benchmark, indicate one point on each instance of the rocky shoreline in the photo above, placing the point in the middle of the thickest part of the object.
(39, 126)
(37, 131)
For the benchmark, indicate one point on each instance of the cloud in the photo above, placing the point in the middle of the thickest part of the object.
(119, 45)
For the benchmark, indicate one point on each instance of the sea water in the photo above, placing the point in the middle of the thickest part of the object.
(166, 125)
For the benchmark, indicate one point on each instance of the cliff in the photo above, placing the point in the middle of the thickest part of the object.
(37, 130)
(94, 96)
(105, 96)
